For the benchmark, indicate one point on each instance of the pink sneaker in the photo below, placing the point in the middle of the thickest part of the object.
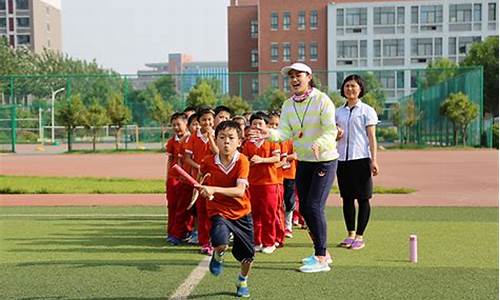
(357, 245)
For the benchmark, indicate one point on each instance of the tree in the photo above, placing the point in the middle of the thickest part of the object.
(237, 105)
(276, 101)
(411, 117)
(373, 91)
(461, 111)
(95, 117)
(486, 54)
(371, 100)
(71, 114)
(336, 98)
(201, 94)
(119, 114)
(160, 111)
(438, 71)
(214, 83)
(166, 87)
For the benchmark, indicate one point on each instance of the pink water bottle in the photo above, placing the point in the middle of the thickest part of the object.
(413, 248)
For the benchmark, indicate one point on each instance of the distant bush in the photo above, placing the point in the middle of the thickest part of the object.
(387, 134)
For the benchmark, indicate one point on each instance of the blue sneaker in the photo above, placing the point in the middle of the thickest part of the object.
(312, 259)
(216, 267)
(242, 289)
(173, 241)
(315, 267)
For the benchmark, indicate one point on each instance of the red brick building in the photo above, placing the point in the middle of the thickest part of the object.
(265, 35)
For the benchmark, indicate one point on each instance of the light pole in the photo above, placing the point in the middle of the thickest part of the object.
(54, 93)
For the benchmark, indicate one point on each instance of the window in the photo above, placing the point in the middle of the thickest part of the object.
(401, 15)
(286, 21)
(302, 52)
(254, 57)
(254, 29)
(414, 14)
(347, 49)
(255, 86)
(384, 16)
(286, 51)
(49, 44)
(302, 20)
(274, 81)
(340, 17)
(3, 22)
(274, 52)
(460, 13)
(477, 12)
(492, 11)
(452, 46)
(48, 27)
(393, 48)
(23, 39)
(355, 16)
(274, 21)
(22, 4)
(313, 49)
(431, 14)
(421, 47)
(362, 48)
(286, 84)
(376, 48)
(313, 20)
(438, 46)
(465, 43)
(2, 4)
(23, 22)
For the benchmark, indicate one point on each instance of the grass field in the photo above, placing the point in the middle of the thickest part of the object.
(120, 253)
(96, 185)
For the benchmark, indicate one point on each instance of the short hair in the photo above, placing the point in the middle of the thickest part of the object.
(205, 111)
(189, 108)
(176, 116)
(260, 115)
(358, 80)
(241, 118)
(220, 108)
(193, 117)
(228, 124)
(275, 113)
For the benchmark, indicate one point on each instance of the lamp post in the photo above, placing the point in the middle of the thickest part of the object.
(54, 93)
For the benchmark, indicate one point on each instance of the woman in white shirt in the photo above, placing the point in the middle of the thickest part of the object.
(357, 147)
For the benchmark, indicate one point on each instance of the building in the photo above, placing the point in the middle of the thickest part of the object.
(185, 73)
(32, 23)
(344, 36)
(393, 38)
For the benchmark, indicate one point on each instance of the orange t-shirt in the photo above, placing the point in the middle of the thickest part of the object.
(230, 176)
(199, 147)
(265, 173)
(289, 173)
(174, 149)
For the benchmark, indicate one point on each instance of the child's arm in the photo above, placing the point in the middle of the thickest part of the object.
(213, 146)
(188, 157)
(233, 192)
(265, 160)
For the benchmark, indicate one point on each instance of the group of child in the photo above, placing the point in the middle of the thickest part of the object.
(270, 180)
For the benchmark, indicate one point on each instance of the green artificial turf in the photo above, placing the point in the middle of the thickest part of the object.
(96, 185)
(119, 253)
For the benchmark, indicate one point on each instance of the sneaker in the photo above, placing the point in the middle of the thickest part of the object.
(258, 248)
(216, 263)
(269, 249)
(231, 238)
(242, 289)
(313, 259)
(173, 241)
(357, 245)
(346, 243)
(193, 238)
(315, 267)
(207, 250)
(288, 234)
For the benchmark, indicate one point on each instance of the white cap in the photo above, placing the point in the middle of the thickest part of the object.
(297, 67)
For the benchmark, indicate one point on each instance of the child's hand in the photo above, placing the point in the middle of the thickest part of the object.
(256, 160)
(206, 191)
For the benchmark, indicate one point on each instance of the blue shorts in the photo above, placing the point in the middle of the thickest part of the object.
(242, 229)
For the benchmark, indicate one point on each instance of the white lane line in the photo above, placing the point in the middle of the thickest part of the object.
(79, 215)
(185, 289)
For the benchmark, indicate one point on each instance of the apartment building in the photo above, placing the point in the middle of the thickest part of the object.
(392, 38)
(31, 23)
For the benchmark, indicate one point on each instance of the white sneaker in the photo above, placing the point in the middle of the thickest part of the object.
(269, 249)
(315, 267)
(258, 248)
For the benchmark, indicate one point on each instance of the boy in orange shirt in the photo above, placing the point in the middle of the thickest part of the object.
(175, 200)
(230, 210)
(199, 146)
(264, 185)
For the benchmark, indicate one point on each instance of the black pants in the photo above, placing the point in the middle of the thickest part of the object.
(314, 181)
(350, 214)
(289, 194)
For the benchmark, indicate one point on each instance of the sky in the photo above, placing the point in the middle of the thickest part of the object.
(124, 35)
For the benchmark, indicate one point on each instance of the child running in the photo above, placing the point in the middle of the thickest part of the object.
(229, 211)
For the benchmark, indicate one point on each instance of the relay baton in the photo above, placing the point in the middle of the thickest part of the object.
(190, 179)
(196, 193)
